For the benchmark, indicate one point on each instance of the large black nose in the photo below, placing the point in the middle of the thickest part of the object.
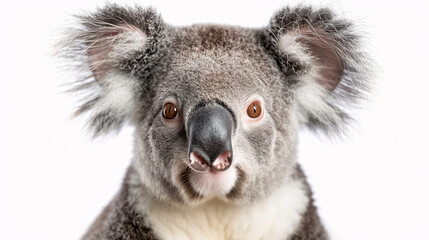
(210, 130)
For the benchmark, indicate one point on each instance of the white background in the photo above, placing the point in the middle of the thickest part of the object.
(54, 179)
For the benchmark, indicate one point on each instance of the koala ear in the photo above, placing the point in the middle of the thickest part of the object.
(111, 52)
(323, 61)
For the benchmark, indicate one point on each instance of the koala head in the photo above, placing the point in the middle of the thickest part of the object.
(216, 109)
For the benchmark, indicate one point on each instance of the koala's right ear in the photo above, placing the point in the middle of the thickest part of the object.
(112, 51)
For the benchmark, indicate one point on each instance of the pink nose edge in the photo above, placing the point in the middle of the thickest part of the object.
(197, 163)
(220, 164)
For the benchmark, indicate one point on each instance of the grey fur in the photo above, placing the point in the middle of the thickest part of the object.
(204, 64)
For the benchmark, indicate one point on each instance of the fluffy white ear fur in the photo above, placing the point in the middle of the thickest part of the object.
(323, 71)
(111, 45)
(324, 62)
(323, 58)
(96, 50)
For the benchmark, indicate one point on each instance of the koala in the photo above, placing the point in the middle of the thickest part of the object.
(216, 112)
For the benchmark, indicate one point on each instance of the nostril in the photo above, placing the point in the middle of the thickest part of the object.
(222, 162)
(197, 163)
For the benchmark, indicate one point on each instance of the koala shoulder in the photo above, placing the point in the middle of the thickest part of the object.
(120, 219)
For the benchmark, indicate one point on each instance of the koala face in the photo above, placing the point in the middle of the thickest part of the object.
(215, 75)
(216, 109)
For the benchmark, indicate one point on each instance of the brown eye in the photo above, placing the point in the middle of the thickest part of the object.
(169, 111)
(254, 110)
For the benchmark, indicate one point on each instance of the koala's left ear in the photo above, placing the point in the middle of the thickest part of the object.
(112, 53)
(323, 61)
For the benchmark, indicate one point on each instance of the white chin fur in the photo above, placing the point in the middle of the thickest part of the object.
(213, 183)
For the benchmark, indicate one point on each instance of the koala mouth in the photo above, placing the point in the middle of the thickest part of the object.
(211, 179)
(221, 163)
(211, 183)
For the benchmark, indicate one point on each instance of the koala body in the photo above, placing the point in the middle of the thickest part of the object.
(217, 111)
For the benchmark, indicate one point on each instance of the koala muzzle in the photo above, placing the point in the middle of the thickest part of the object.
(210, 130)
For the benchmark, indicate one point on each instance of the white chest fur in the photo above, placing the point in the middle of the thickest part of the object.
(275, 217)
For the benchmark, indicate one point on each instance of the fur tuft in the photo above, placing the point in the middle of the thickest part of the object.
(110, 51)
(323, 58)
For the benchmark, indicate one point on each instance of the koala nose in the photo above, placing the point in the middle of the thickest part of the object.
(210, 130)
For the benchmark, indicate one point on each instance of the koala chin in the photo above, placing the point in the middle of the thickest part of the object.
(216, 111)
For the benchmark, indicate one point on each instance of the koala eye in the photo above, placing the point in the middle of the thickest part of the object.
(254, 109)
(169, 111)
